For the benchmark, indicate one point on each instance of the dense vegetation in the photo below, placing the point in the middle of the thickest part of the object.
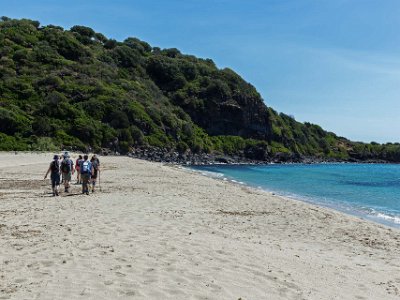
(76, 88)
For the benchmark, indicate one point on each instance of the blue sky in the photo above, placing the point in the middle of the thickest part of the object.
(335, 63)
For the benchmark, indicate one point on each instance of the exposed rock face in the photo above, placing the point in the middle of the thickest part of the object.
(245, 116)
(257, 156)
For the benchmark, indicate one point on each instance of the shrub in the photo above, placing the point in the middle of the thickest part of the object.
(12, 122)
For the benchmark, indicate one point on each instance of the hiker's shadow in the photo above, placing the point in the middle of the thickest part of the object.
(50, 195)
(71, 194)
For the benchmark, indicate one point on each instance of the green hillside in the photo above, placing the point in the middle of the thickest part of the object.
(76, 88)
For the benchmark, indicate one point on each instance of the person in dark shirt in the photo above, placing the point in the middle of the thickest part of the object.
(96, 170)
(67, 169)
(55, 171)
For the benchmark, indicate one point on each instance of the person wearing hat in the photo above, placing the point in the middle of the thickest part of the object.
(67, 169)
(54, 170)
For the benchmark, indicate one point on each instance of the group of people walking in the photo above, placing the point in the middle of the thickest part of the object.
(62, 168)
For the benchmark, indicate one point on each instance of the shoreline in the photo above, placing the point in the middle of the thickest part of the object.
(380, 218)
(346, 210)
(157, 231)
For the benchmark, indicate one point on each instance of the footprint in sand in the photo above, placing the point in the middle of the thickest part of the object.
(129, 293)
(47, 263)
(119, 274)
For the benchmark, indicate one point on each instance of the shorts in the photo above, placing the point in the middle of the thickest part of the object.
(55, 180)
(67, 176)
(94, 176)
(85, 182)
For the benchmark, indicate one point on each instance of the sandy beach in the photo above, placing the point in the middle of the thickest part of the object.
(162, 232)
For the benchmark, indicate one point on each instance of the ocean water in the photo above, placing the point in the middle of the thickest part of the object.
(369, 191)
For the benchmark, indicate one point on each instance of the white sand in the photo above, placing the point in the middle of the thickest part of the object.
(160, 232)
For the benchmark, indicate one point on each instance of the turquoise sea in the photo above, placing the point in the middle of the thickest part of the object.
(369, 191)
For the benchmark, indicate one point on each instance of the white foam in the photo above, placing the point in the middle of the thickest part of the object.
(393, 219)
(212, 174)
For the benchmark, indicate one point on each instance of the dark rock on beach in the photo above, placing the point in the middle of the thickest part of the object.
(188, 158)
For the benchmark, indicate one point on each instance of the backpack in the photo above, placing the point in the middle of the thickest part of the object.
(66, 166)
(55, 167)
(95, 164)
(86, 167)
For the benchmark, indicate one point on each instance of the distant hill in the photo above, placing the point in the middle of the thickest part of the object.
(76, 88)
